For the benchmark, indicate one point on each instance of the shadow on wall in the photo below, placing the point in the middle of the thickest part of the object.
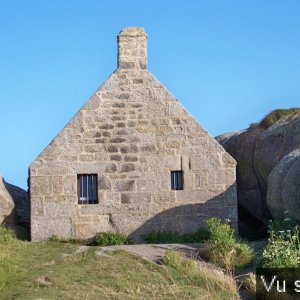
(190, 217)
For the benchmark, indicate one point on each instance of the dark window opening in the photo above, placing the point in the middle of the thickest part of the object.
(177, 180)
(87, 189)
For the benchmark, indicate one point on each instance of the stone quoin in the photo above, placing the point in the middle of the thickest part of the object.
(131, 160)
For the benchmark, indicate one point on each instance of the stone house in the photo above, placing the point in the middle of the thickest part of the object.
(131, 160)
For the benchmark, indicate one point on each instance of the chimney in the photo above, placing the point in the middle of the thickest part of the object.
(132, 48)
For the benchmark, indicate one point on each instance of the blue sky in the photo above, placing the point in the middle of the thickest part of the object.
(228, 62)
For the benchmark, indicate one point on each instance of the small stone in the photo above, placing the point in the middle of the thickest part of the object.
(103, 183)
(131, 158)
(127, 168)
(138, 81)
(124, 96)
(129, 149)
(111, 168)
(125, 199)
(112, 149)
(118, 118)
(43, 280)
(124, 185)
(122, 132)
(118, 140)
(100, 141)
(117, 104)
(148, 148)
(116, 157)
(106, 126)
(106, 134)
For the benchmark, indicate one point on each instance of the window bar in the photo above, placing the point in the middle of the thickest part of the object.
(81, 192)
(88, 187)
(173, 181)
(92, 198)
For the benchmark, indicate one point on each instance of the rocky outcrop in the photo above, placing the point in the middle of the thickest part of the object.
(267, 171)
(7, 206)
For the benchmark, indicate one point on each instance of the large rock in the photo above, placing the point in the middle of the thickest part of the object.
(7, 206)
(283, 197)
(14, 208)
(21, 202)
(265, 158)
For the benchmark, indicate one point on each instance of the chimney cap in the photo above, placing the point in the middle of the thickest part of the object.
(133, 31)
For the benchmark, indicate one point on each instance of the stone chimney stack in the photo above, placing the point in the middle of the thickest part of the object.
(132, 48)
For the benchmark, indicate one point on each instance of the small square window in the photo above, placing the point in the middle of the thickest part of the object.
(87, 189)
(177, 180)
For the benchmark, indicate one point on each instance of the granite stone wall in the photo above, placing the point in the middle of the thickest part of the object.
(132, 133)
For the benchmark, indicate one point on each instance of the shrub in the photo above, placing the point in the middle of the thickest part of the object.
(7, 234)
(282, 250)
(160, 237)
(110, 238)
(199, 236)
(224, 248)
(276, 115)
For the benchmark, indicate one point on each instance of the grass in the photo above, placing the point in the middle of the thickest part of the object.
(48, 270)
(276, 115)
(7, 234)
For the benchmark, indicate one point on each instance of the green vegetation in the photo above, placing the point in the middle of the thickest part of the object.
(283, 248)
(161, 237)
(276, 115)
(224, 248)
(110, 238)
(48, 270)
(7, 234)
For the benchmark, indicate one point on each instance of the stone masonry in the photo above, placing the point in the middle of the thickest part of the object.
(132, 133)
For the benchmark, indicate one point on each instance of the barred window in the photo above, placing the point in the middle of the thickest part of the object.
(177, 180)
(87, 189)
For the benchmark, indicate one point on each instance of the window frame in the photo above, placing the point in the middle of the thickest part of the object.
(175, 186)
(80, 189)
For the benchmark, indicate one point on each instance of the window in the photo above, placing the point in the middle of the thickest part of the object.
(87, 189)
(177, 180)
